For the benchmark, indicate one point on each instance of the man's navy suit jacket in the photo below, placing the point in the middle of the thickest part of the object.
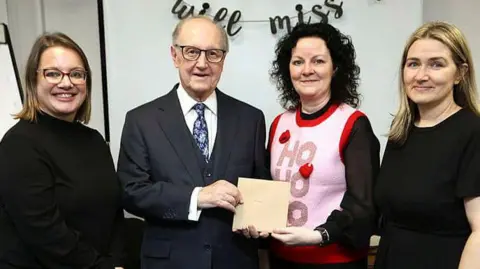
(159, 168)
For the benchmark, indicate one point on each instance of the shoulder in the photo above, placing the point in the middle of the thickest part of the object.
(353, 113)
(22, 130)
(470, 122)
(284, 114)
(240, 106)
(357, 122)
(356, 118)
(464, 123)
(469, 117)
(23, 137)
(93, 133)
(276, 120)
(145, 109)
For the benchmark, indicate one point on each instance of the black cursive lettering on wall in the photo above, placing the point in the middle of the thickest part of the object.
(316, 9)
(183, 10)
(205, 7)
(221, 14)
(280, 21)
(180, 12)
(234, 18)
(338, 8)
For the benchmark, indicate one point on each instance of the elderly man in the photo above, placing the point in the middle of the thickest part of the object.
(181, 156)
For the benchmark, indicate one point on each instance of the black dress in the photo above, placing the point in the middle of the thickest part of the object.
(60, 200)
(420, 192)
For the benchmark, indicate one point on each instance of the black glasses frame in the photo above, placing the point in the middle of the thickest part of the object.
(182, 47)
(44, 70)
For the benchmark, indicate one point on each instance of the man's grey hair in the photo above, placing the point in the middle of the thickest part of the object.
(220, 28)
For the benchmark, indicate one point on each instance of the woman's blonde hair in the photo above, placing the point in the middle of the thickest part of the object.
(465, 92)
(31, 105)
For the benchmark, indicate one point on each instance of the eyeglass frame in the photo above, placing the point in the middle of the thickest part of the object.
(63, 75)
(182, 47)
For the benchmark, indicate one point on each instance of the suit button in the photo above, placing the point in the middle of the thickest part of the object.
(207, 247)
(209, 175)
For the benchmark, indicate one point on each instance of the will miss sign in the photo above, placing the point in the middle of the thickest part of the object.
(322, 12)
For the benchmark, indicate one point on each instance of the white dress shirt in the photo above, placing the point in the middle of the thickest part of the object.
(187, 103)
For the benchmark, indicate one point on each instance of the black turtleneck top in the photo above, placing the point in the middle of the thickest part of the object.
(60, 200)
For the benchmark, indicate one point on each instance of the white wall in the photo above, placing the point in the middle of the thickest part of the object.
(140, 68)
(27, 19)
(144, 27)
(463, 14)
(3, 11)
(25, 24)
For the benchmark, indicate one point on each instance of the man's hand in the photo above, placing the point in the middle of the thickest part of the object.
(251, 232)
(219, 194)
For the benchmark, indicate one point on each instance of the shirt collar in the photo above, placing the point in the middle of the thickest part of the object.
(187, 102)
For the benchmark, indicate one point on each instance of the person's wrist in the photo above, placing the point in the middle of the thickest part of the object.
(315, 238)
(323, 234)
(200, 199)
(204, 199)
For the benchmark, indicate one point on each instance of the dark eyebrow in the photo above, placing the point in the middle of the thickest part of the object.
(431, 59)
(412, 59)
(315, 56)
(56, 68)
(438, 58)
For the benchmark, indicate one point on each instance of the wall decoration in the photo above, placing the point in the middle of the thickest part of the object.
(321, 13)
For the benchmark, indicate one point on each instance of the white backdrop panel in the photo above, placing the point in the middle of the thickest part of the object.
(138, 36)
(10, 101)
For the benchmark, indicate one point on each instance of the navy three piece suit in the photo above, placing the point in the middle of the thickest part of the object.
(160, 165)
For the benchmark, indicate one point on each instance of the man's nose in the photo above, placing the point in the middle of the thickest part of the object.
(202, 60)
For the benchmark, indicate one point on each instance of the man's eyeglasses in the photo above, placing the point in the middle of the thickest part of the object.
(55, 76)
(191, 53)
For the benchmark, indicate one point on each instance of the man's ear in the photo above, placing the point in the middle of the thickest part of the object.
(462, 72)
(174, 54)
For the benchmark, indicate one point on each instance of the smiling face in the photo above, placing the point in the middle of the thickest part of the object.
(430, 73)
(311, 68)
(63, 99)
(198, 77)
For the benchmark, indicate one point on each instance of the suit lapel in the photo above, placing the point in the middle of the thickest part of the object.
(172, 122)
(226, 129)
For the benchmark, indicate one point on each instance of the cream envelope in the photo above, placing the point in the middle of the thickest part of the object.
(265, 204)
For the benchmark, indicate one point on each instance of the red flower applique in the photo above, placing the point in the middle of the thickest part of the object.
(284, 137)
(306, 169)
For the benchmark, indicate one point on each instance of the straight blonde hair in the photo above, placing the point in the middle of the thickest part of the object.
(465, 93)
(31, 105)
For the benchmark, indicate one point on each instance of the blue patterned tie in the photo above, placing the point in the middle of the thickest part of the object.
(200, 131)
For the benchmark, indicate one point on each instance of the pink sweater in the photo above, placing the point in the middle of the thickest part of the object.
(308, 154)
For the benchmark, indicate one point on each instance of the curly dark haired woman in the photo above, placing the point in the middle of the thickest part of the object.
(326, 148)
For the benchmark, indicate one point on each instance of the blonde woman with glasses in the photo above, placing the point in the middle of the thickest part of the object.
(60, 200)
(428, 189)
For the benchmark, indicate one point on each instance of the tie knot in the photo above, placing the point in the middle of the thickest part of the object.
(199, 108)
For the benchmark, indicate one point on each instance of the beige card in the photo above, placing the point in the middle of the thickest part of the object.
(265, 204)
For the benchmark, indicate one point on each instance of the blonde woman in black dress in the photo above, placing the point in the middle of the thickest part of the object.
(428, 189)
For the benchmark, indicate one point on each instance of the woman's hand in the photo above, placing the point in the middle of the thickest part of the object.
(295, 236)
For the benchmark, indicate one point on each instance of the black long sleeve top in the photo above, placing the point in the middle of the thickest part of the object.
(60, 200)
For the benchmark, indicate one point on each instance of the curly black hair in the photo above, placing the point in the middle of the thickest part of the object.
(346, 77)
